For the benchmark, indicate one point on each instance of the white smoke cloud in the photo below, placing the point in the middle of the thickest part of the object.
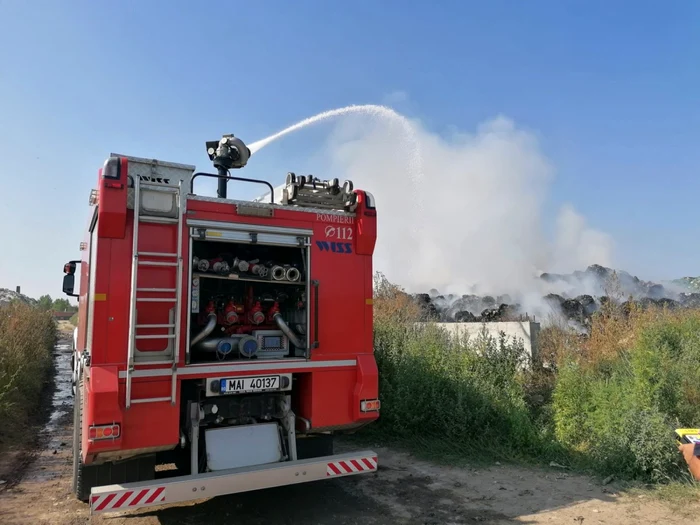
(576, 244)
(466, 215)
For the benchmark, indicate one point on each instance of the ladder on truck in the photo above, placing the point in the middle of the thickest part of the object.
(172, 295)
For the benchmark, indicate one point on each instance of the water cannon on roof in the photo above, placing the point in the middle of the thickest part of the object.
(226, 154)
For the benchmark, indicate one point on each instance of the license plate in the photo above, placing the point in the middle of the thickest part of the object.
(238, 385)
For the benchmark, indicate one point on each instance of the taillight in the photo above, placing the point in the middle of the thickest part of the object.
(112, 168)
(370, 405)
(96, 433)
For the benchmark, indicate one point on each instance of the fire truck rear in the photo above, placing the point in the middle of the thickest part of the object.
(221, 344)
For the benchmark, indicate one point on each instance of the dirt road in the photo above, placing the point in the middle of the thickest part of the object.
(403, 491)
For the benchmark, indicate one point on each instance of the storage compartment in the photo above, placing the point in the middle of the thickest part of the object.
(247, 302)
(242, 446)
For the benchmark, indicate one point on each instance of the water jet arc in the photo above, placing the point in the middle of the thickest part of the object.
(371, 110)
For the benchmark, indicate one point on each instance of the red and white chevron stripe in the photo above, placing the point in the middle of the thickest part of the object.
(127, 499)
(351, 466)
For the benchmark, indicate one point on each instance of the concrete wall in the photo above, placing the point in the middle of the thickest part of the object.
(527, 331)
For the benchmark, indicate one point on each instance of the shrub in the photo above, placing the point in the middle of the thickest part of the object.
(27, 336)
(637, 378)
(470, 393)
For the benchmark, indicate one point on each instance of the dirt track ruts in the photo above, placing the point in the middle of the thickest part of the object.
(403, 491)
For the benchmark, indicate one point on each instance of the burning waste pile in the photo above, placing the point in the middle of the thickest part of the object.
(573, 297)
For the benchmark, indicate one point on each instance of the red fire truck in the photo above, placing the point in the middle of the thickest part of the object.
(225, 342)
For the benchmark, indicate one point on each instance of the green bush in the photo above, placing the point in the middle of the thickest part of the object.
(27, 336)
(438, 390)
(620, 410)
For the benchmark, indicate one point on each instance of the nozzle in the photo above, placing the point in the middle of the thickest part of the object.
(228, 153)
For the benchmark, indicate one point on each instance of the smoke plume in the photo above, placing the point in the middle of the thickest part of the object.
(464, 213)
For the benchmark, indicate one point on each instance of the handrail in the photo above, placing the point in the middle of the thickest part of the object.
(230, 177)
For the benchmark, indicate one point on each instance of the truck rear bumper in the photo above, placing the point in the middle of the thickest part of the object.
(129, 496)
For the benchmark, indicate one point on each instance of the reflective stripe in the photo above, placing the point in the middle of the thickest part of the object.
(127, 499)
(351, 466)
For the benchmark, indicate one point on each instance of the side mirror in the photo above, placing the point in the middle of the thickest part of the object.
(68, 284)
(69, 278)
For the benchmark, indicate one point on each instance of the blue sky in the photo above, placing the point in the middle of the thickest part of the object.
(611, 90)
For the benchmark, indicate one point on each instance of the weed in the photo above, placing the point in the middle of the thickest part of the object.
(27, 336)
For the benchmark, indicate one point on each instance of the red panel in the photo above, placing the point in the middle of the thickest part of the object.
(117, 324)
(111, 203)
(369, 306)
(101, 407)
(341, 301)
(331, 397)
(103, 278)
(213, 211)
(150, 424)
(366, 227)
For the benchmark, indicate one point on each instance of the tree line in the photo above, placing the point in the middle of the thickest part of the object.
(46, 303)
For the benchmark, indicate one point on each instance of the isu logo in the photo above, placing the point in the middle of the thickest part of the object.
(339, 232)
(335, 247)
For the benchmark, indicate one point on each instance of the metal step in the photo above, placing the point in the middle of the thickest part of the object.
(156, 254)
(155, 362)
(155, 336)
(139, 326)
(151, 400)
(161, 187)
(157, 263)
(158, 220)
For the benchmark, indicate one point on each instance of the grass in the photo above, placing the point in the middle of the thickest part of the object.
(608, 403)
(27, 336)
